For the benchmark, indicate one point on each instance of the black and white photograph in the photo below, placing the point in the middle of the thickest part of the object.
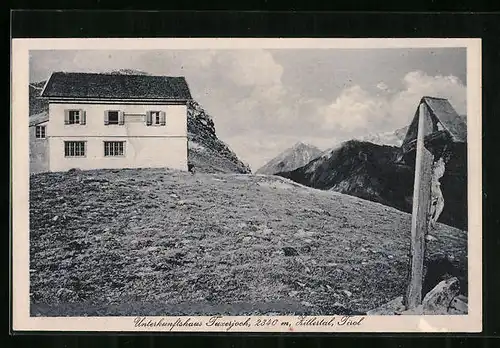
(275, 188)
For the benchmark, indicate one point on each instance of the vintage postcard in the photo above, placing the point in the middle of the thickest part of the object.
(246, 185)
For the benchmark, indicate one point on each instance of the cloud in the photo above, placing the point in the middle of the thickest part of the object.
(382, 86)
(356, 110)
(156, 62)
(270, 116)
(419, 84)
(250, 67)
(263, 101)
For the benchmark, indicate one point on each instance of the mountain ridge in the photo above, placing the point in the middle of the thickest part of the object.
(377, 173)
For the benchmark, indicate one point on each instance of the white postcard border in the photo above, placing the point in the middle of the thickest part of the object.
(21, 320)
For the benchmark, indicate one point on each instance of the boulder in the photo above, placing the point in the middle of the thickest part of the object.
(438, 300)
(443, 299)
(441, 266)
(459, 305)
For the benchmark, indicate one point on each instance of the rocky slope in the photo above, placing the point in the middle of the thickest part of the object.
(160, 242)
(36, 104)
(297, 156)
(206, 152)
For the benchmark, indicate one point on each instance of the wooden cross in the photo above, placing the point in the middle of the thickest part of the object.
(421, 209)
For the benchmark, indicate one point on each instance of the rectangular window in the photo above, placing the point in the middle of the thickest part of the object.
(155, 115)
(74, 148)
(113, 117)
(114, 148)
(40, 132)
(74, 117)
(156, 118)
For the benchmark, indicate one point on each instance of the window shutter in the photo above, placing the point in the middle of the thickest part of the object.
(121, 118)
(149, 118)
(106, 118)
(162, 118)
(66, 116)
(83, 117)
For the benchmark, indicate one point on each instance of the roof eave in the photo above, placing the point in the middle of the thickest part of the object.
(38, 123)
(53, 97)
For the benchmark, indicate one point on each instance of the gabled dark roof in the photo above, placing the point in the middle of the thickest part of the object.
(441, 111)
(115, 86)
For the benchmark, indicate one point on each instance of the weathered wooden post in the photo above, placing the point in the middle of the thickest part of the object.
(420, 209)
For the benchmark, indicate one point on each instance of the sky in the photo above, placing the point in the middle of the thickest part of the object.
(264, 101)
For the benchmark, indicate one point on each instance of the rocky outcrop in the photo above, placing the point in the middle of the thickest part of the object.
(207, 153)
(439, 298)
(443, 299)
(297, 156)
(128, 72)
(37, 105)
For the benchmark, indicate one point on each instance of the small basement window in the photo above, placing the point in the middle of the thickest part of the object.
(114, 148)
(40, 132)
(74, 148)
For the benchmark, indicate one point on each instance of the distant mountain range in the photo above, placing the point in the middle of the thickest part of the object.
(301, 154)
(378, 173)
(367, 169)
(370, 167)
(297, 156)
(206, 152)
(361, 169)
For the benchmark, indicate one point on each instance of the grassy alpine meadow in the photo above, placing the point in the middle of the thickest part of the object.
(163, 242)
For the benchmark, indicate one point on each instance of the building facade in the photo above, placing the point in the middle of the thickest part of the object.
(39, 150)
(98, 121)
